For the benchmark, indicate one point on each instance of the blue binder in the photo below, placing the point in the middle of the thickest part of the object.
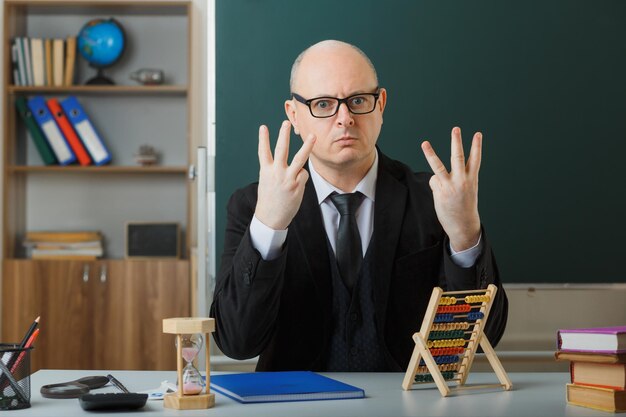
(261, 387)
(86, 131)
(49, 127)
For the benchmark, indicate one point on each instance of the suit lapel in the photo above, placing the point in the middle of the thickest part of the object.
(311, 234)
(389, 213)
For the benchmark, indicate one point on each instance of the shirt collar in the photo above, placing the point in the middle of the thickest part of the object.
(367, 186)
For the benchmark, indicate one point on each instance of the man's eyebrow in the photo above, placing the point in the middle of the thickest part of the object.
(354, 93)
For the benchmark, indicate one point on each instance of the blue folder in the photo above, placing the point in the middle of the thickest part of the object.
(86, 131)
(259, 387)
(51, 131)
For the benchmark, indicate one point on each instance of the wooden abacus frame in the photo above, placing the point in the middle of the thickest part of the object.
(476, 330)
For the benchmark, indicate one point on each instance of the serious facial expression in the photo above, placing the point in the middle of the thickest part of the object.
(345, 140)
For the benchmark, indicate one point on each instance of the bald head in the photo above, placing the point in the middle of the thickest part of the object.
(323, 49)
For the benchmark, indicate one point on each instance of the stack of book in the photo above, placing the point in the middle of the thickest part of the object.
(43, 62)
(597, 366)
(80, 245)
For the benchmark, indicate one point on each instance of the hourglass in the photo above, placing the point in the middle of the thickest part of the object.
(189, 339)
(192, 379)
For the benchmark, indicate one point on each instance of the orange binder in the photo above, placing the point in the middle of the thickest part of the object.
(68, 131)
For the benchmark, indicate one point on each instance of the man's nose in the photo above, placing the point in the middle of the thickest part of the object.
(344, 116)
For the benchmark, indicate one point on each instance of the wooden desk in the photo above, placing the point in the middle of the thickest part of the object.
(533, 394)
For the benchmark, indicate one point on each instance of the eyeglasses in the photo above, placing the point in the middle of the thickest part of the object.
(322, 107)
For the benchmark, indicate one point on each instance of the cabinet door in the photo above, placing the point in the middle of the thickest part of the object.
(134, 298)
(56, 291)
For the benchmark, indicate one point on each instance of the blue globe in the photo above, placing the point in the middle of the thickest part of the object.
(101, 42)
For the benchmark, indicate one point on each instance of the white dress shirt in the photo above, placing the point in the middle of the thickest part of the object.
(269, 242)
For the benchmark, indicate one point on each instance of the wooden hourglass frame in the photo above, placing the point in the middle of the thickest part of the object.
(443, 312)
(190, 325)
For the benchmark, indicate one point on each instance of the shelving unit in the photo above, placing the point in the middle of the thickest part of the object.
(38, 197)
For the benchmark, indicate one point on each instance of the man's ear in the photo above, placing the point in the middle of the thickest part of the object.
(290, 110)
(382, 99)
(382, 102)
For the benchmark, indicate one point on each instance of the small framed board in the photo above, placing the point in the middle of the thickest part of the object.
(152, 240)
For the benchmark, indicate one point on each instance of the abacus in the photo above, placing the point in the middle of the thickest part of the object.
(452, 329)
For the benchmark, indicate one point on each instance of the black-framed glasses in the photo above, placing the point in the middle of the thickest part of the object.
(322, 107)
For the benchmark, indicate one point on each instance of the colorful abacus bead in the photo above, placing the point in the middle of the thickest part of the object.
(443, 318)
(447, 351)
(475, 315)
(459, 308)
(446, 301)
(472, 299)
(449, 334)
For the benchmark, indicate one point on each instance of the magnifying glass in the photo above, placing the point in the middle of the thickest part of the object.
(73, 389)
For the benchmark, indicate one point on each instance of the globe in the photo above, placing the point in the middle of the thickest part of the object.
(101, 42)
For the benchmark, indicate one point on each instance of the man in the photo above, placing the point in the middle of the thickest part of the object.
(329, 265)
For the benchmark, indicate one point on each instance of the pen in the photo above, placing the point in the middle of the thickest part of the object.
(117, 383)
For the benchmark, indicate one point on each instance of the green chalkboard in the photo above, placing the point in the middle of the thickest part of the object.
(545, 81)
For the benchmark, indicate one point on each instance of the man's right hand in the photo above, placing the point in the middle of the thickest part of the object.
(281, 186)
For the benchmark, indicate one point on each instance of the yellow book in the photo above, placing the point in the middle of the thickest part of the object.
(604, 399)
(53, 236)
(58, 58)
(48, 52)
(45, 257)
(70, 59)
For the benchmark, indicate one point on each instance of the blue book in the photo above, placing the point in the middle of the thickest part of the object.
(51, 130)
(86, 131)
(261, 387)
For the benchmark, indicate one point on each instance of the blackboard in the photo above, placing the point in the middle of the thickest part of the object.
(545, 81)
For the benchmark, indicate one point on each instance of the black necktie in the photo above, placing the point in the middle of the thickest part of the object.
(348, 247)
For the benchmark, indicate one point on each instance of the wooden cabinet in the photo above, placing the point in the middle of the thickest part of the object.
(101, 314)
(96, 315)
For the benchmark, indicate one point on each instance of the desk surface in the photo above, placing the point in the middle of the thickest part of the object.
(533, 394)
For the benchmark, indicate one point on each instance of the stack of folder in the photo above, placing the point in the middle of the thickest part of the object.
(62, 131)
(79, 245)
(597, 366)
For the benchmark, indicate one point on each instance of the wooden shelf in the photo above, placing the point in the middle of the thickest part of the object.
(101, 89)
(101, 169)
(83, 295)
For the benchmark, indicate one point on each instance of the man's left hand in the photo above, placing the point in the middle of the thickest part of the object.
(455, 193)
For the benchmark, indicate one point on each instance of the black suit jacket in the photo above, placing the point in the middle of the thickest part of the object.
(281, 309)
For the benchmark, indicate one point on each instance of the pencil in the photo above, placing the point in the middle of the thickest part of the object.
(29, 332)
(29, 344)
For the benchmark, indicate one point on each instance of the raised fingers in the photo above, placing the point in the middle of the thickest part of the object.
(475, 156)
(301, 156)
(435, 163)
(282, 144)
(457, 157)
(265, 153)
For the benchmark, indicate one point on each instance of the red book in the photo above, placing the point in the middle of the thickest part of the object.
(69, 132)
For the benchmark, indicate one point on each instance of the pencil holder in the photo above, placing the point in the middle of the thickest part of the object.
(14, 377)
